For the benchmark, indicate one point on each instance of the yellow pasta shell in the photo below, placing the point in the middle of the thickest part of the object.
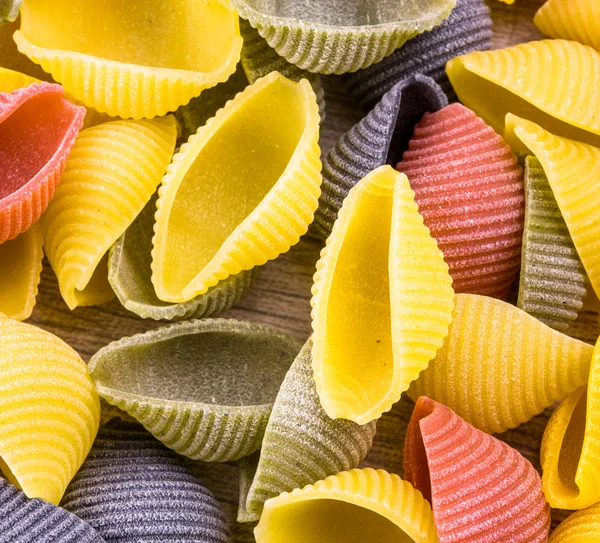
(555, 83)
(580, 527)
(241, 191)
(577, 20)
(132, 59)
(20, 269)
(112, 171)
(573, 171)
(358, 505)
(571, 446)
(49, 410)
(11, 80)
(500, 366)
(382, 300)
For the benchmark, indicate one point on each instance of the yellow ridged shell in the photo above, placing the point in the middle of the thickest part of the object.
(241, 191)
(49, 410)
(581, 527)
(358, 505)
(112, 171)
(11, 80)
(577, 20)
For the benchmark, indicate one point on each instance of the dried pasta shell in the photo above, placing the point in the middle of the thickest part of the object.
(573, 171)
(37, 129)
(469, 187)
(24, 521)
(9, 10)
(480, 488)
(533, 80)
(132, 488)
(20, 270)
(380, 138)
(468, 28)
(571, 20)
(358, 505)
(366, 352)
(50, 411)
(113, 170)
(302, 444)
(205, 388)
(580, 527)
(552, 282)
(144, 60)
(497, 385)
(571, 446)
(204, 201)
(130, 277)
(340, 37)
(11, 80)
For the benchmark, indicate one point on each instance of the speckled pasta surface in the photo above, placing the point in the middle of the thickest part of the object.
(468, 28)
(50, 410)
(480, 488)
(302, 445)
(577, 20)
(367, 505)
(208, 225)
(380, 138)
(533, 80)
(11, 80)
(132, 489)
(9, 10)
(130, 277)
(340, 36)
(552, 281)
(145, 59)
(23, 520)
(497, 385)
(469, 187)
(582, 526)
(205, 388)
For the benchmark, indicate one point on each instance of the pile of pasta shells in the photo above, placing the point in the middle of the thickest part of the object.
(162, 152)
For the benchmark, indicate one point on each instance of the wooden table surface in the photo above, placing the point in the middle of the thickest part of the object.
(281, 298)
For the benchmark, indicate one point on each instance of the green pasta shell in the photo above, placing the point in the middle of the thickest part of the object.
(342, 35)
(204, 388)
(552, 284)
(130, 276)
(302, 445)
(9, 10)
(260, 59)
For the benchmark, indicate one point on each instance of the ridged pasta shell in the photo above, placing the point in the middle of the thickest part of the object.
(26, 521)
(37, 128)
(573, 171)
(11, 59)
(132, 488)
(205, 388)
(259, 59)
(576, 20)
(534, 80)
(468, 28)
(480, 488)
(9, 10)
(144, 60)
(469, 187)
(113, 170)
(11, 80)
(50, 410)
(358, 505)
(580, 527)
(382, 300)
(552, 281)
(241, 200)
(130, 276)
(20, 270)
(500, 383)
(336, 38)
(571, 446)
(380, 138)
(302, 444)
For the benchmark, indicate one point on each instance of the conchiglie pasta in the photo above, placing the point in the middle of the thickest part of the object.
(11, 80)
(577, 20)
(9, 10)
(113, 170)
(50, 410)
(230, 202)
(580, 527)
(132, 59)
(499, 366)
(367, 505)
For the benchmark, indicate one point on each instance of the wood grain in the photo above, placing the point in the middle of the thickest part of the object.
(280, 297)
